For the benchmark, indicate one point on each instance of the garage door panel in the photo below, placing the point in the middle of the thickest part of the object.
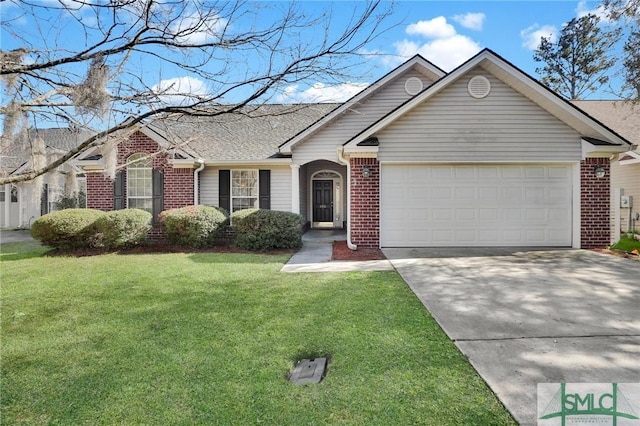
(476, 205)
(488, 214)
(442, 236)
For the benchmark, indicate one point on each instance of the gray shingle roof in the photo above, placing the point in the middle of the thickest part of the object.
(251, 134)
(621, 117)
(19, 150)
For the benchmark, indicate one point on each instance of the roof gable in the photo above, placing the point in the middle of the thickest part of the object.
(516, 79)
(417, 62)
(16, 156)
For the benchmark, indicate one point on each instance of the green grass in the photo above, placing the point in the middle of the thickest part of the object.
(209, 338)
(626, 244)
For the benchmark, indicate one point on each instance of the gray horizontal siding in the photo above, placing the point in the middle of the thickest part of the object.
(452, 126)
(323, 144)
(280, 186)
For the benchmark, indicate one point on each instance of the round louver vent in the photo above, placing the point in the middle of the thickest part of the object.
(479, 87)
(413, 86)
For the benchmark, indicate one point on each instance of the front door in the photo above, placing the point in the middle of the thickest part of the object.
(323, 201)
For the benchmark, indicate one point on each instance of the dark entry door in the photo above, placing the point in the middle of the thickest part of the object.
(323, 201)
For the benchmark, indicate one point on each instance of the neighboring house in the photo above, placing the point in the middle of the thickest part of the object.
(481, 156)
(624, 117)
(21, 203)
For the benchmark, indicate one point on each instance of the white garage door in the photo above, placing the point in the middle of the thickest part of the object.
(475, 205)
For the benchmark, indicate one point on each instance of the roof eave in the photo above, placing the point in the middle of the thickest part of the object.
(249, 163)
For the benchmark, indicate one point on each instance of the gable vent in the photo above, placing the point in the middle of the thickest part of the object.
(413, 86)
(479, 87)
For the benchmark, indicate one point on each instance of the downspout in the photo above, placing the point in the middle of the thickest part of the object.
(343, 161)
(196, 181)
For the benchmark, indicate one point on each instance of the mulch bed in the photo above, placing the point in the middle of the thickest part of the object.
(618, 253)
(342, 252)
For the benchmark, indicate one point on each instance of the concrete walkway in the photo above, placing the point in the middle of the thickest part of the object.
(14, 235)
(315, 255)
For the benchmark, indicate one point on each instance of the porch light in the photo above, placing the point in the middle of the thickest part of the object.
(366, 172)
(599, 171)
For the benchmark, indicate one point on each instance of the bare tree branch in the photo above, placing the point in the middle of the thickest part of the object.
(218, 57)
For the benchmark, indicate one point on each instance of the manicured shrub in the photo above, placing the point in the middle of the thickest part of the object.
(67, 229)
(260, 230)
(194, 226)
(123, 228)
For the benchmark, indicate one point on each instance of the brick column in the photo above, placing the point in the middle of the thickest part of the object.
(365, 203)
(594, 204)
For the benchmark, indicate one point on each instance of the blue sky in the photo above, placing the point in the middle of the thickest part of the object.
(445, 32)
(449, 32)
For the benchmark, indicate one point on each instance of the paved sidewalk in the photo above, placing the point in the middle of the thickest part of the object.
(316, 251)
(15, 235)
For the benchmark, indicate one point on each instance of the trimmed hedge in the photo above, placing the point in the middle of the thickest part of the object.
(194, 226)
(260, 230)
(123, 228)
(67, 229)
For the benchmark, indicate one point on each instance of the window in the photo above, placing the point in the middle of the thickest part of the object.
(244, 189)
(14, 194)
(140, 182)
(2, 194)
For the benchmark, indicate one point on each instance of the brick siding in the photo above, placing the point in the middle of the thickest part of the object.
(178, 183)
(99, 192)
(365, 203)
(594, 204)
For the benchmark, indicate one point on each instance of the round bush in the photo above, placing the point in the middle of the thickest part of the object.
(67, 229)
(260, 230)
(194, 226)
(123, 228)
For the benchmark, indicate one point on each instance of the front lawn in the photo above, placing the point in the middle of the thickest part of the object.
(208, 338)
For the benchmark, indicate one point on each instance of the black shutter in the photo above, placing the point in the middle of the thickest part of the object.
(224, 189)
(264, 191)
(157, 191)
(44, 200)
(118, 191)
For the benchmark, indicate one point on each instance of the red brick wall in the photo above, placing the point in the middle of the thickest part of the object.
(178, 183)
(99, 192)
(594, 204)
(365, 203)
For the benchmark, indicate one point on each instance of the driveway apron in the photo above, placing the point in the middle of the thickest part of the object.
(525, 317)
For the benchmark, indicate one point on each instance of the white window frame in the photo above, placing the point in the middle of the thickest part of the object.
(255, 197)
(140, 162)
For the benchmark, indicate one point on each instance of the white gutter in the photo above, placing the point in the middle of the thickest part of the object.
(342, 160)
(196, 185)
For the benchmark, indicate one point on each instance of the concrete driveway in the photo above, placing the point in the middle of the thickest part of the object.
(525, 317)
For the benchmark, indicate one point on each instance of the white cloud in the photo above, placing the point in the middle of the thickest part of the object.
(320, 92)
(447, 53)
(472, 21)
(531, 35)
(177, 91)
(434, 28)
(599, 11)
(446, 48)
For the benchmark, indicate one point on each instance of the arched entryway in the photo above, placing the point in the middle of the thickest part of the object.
(326, 209)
